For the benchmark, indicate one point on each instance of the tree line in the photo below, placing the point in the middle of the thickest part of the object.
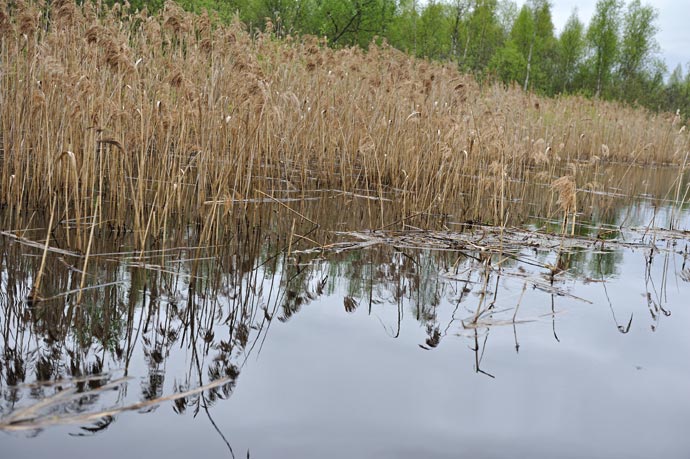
(615, 56)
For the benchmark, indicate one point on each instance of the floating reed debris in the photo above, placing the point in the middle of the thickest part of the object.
(38, 416)
(500, 241)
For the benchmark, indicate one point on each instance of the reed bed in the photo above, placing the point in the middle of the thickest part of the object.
(133, 121)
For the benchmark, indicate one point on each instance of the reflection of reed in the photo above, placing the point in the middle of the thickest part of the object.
(209, 295)
(212, 304)
(416, 272)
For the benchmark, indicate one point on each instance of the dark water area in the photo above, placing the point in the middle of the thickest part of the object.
(292, 340)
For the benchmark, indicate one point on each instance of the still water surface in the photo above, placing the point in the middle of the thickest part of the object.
(395, 350)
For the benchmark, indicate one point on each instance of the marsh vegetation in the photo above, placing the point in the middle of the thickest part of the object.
(175, 190)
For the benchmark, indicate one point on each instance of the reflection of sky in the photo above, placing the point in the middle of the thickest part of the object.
(332, 384)
(673, 35)
(338, 385)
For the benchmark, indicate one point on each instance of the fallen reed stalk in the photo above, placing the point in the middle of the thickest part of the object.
(84, 272)
(32, 417)
(34, 295)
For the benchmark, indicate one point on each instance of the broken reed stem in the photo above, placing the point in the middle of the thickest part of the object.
(30, 419)
(88, 251)
(487, 271)
(71, 179)
(288, 208)
(524, 287)
(37, 284)
(572, 227)
(677, 208)
(292, 233)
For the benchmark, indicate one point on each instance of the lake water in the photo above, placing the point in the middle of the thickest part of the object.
(340, 341)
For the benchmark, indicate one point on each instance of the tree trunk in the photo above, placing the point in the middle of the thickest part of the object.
(529, 65)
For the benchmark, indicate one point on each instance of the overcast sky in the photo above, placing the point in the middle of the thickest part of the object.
(673, 22)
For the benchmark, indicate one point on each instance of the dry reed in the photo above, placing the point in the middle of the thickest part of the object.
(161, 114)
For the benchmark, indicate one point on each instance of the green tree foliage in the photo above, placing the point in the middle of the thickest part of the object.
(602, 40)
(403, 30)
(285, 16)
(522, 33)
(637, 51)
(355, 22)
(484, 36)
(507, 12)
(677, 91)
(508, 64)
(545, 47)
(459, 35)
(532, 34)
(570, 51)
(434, 36)
(614, 56)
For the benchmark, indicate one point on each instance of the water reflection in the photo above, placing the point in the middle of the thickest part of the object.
(178, 322)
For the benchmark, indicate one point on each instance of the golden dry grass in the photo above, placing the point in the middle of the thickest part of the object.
(173, 117)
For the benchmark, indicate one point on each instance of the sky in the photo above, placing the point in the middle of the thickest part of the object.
(674, 30)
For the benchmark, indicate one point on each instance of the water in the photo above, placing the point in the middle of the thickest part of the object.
(395, 350)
